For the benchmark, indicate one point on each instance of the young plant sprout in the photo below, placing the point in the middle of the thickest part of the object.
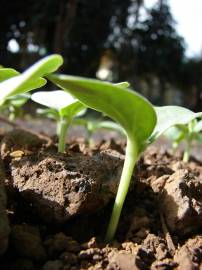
(62, 107)
(142, 123)
(92, 125)
(170, 116)
(123, 106)
(187, 133)
(13, 105)
(13, 83)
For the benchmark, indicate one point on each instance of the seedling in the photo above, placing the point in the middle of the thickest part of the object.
(142, 123)
(92, 125)
(123, 106)
(13, 105)
(13, 83)
(62, 107)
(187, 133)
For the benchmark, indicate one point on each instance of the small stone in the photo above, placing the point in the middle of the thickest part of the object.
(89, 253)
(181, 202)
(122, 261)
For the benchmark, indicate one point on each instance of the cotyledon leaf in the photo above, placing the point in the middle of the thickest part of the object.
(169, 116)
(133, 112)
(63, 102)
(30, 78)
(7, 73)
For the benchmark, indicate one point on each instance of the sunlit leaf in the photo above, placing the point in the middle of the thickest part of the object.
(59, 100)
(169, 116)
(124, 106)
(30, 79)
(7, 73)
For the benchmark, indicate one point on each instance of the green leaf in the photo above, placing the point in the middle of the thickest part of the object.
(134, 113)
(63, 102)
(7, 73)
(74, 109)
(30, 79)
(169, 116)
(198, 127)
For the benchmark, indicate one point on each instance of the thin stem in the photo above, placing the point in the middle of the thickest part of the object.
(63, 126)
(130, 160)
(187, 151)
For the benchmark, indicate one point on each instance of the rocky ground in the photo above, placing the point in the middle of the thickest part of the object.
(54, 208)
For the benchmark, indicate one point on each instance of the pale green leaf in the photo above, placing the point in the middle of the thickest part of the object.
(30, 79)
(169, 116)
(63, 102)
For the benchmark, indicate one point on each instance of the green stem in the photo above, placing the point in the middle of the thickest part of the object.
(130, 160)
(63, 125)
(187, 151)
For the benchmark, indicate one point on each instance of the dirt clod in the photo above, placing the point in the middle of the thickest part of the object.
(189, 256)
(60, 186)
(181, 202)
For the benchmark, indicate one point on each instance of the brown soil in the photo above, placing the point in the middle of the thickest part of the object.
(59, 205)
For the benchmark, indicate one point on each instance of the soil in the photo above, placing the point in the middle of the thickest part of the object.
(54, 208)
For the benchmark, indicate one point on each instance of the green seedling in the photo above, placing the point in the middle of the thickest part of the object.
(92, 125)
(185, 133)
(142, 123)
(62, 107)
(13, 105)
(12, 83)
(124, 107)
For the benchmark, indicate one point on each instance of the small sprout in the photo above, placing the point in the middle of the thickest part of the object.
(175, 116)
(169, 116)
(62, 107)
(134, 113)
(92, 125)
(13, 84)
(187, 133)
(13, 105)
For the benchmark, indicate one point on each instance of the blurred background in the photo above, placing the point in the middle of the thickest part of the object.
(156, 45)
